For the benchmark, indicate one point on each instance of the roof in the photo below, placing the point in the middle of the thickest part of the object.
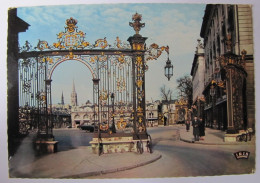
(206, 19)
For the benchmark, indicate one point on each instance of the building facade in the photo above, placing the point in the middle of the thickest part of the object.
(15, 26)
(198, 80)
(152, 114)
(83, 114)
(229, 91)
(166, 113)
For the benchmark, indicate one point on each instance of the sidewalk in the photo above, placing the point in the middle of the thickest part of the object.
(212, 137)
(74, 163)
(81, 162)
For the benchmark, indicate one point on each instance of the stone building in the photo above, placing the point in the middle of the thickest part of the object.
(15, 26)
(152, 115)
(82, 114)
(166, 113)
(227, 31)
(198, 80)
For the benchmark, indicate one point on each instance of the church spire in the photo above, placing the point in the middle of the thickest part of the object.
(74, 100)
(62, 99)
(73, 87)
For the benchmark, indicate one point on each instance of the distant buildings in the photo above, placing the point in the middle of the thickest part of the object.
(152, 114)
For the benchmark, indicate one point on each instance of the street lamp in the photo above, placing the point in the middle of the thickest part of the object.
(168, 69)
(113, 113)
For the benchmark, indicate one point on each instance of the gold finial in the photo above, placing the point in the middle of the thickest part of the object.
(137, 25)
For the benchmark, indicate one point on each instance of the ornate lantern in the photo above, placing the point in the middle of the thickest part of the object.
(168, 69)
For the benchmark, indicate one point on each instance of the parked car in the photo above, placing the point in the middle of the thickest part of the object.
(88, 127)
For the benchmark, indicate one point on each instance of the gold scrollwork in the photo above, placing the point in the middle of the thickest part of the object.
(103, 127)
(118, 42)
(121, 59)
(121, 124)
(102, 43)
(70, 56)
(41, 97)
(138, 46)
(155, 51)
(140, 110)
(58, 45)
(42, 45)
(139, 83)
(50, 60)
(139, 60)
(103, 95)
(102, 58)
(121, 84)
(93, 59)
(140, 119)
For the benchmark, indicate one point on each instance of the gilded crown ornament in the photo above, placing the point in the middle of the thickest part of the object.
(71, 24)
(137, 25)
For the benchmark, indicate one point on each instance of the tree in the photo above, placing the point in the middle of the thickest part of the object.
(185, 88)
(166, 94)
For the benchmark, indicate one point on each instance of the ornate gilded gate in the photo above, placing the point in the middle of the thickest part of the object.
(118, 74)
(234, 75)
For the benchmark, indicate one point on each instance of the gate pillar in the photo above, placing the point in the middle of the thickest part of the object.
(234, 75)
(137, 43)
(48, 118)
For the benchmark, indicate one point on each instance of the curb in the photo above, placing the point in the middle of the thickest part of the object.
(208, 143)
(100, 172)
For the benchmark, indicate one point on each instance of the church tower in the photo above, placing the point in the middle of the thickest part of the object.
(74, 100)
(62, 99)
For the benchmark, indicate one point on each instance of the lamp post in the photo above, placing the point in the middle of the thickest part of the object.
(168, 69)
(113, 113)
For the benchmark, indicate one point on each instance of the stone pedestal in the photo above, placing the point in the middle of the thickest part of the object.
(230, 137)
(44, 146)
(117, 143)
(233, 137)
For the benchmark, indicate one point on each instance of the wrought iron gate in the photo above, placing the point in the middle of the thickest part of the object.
(118, 74)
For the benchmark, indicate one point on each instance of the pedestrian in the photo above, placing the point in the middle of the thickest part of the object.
(196, 131)
(202, 129)
(187, 123)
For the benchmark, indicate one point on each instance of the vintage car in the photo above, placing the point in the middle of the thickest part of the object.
(88, 127)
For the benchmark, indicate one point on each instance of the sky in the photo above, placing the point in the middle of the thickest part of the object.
(176, 25)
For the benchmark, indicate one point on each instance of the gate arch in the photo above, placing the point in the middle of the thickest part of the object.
(51, 70)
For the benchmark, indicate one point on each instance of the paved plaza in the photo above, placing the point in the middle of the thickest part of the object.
(80, 162)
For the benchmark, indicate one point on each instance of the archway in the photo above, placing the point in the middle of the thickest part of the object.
(72, 83)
